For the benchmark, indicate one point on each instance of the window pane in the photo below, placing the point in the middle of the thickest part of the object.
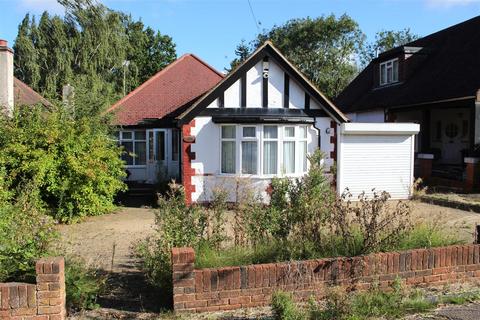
(228, 156)
(303, 132)
(395, 70)
(270, 157)
(303, 155)
(175, 145)
(151, 148)
(139, 135)
(228, 132)
(249, 157)
(389, 74)
(270, 132)
(249, 132)
(289, 156)
(289, 132)
(382, 73)
(160, 145)
(126, 135)
(141, 153)
(127, 153)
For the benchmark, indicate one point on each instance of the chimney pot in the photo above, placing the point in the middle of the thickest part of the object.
(3, 43)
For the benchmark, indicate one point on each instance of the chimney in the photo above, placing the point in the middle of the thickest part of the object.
(6, 78)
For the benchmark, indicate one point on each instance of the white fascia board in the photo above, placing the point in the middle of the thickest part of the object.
(387, 128)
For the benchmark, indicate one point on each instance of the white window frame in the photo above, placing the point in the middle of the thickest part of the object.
(295, 148)
(134, 141)
(260, 139)
(388, 66)
(251, 139)
(235, 165)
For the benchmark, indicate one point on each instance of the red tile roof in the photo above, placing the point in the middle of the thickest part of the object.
(172, 88)
(25, 96)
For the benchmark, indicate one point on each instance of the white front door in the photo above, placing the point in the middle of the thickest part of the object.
(157, 161)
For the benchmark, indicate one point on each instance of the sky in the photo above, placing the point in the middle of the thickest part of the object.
(212, 28)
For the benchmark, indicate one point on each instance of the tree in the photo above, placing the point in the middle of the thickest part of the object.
(87, 48)
(323, 48)
(242, 51)
(384, 41)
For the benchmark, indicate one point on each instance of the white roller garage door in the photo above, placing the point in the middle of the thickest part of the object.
(376, 156)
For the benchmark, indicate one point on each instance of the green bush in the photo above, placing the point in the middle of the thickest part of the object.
(83, 284)
(283, 307)
(25, 235)
(74, 163)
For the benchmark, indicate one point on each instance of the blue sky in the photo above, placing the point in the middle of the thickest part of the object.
(212, 28)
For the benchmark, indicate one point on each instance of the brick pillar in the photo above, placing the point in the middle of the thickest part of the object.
(51, 288)
(472, 172)
(426, 162)
(187, 156)
(183, 262)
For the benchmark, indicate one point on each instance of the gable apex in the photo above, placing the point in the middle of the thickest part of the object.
(267, 49)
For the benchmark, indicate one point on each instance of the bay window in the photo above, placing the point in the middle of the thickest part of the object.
(135, 147)
(264, 149)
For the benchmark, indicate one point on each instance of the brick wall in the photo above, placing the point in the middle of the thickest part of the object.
(44, 300)
(187, 156)
(250, 286)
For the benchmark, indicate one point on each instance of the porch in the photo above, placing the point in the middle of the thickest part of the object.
(445, 149)
(152, 155)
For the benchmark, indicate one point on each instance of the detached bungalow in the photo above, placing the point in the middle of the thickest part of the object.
(262, 120)
(190, 122)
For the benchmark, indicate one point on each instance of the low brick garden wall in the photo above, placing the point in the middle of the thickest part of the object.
(213, 289)
(44, 300)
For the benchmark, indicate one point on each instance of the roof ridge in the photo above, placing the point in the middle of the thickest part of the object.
(206, 64)
(146, 83)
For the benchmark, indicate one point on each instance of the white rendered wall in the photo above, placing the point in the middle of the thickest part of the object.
(276, 79)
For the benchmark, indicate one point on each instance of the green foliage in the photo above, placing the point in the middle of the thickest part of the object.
(177, 225)
(83, 285)
(283, 307)
(322, 48)
(87, 48)
(384, 41)
(73, 165)
(25, 234)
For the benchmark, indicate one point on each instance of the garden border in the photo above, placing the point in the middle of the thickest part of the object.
(227, 288)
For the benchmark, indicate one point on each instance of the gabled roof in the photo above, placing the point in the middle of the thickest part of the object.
(267, 49)
(449, 71)
(25, 96)
(168, 91)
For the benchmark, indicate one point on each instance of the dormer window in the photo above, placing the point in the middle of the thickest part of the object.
(389, 72)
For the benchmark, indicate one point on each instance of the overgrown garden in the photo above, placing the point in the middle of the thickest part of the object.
(305, 219)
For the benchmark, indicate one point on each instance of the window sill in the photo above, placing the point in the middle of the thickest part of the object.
(257, 176)
(140, 166)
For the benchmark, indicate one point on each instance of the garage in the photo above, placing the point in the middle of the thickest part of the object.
(376, 155)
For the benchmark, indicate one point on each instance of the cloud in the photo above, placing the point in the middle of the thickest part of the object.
(450, 3)
(38, 6)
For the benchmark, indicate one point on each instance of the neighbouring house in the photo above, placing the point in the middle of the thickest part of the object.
(238, 131)
(13, 91)
(433, 81)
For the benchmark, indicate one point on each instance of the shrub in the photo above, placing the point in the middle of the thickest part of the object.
(73, 162)
(283, 307)
(83, 284)
(25, 235)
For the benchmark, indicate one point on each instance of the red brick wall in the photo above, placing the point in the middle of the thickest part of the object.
(187, 157)
(250, 286)
(44, 300)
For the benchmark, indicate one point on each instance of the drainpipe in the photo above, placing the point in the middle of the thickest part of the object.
(319, 134)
